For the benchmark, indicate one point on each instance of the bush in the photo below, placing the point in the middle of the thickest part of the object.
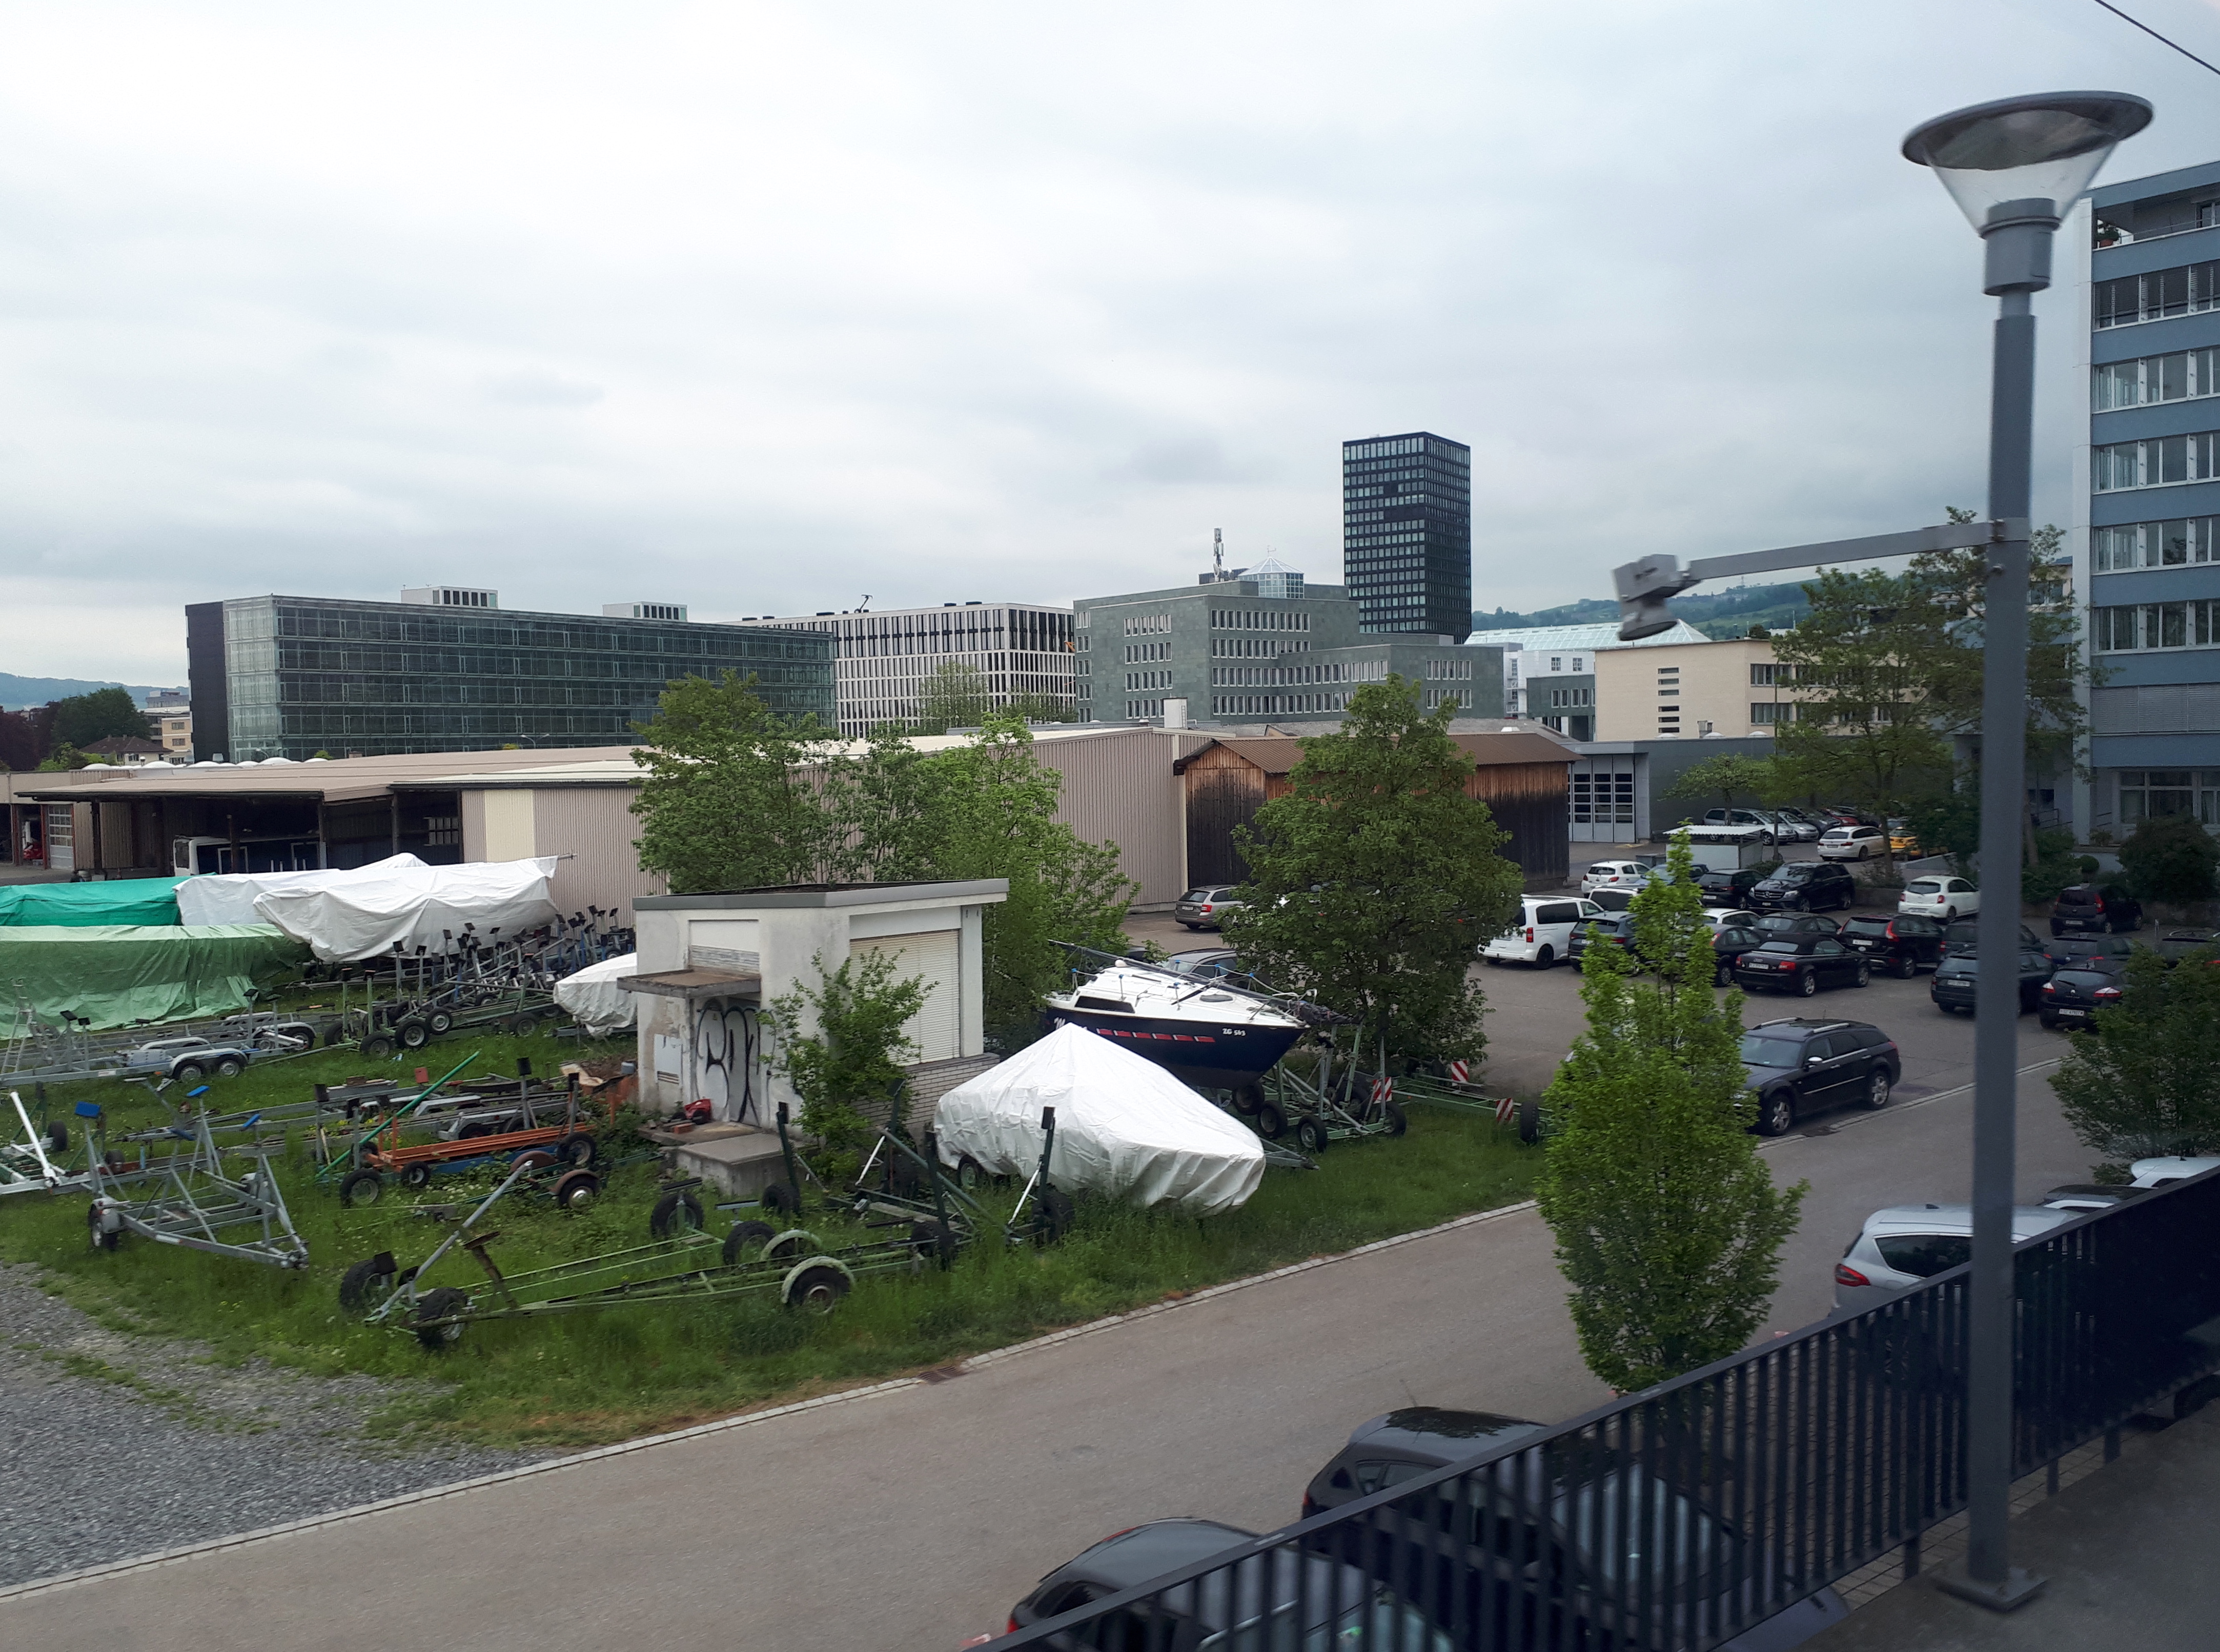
(2171, 859)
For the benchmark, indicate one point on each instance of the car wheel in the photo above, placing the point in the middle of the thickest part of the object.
(1723, 975)
(1545, 957)
(1906, 968)
(2049, 1019)
(1877, 1086)
(2056, 928)
(188, 1072)
(1776, 1113)
(1949, 914)
(1807, 981)
(1863, 977)
(1185, 925)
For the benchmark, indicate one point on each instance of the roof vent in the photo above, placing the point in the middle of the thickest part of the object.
(644, 611)
(452, 596)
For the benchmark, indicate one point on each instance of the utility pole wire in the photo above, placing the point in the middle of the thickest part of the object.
(2156, 35)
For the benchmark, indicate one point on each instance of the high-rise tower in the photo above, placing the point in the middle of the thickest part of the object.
(1406, 532)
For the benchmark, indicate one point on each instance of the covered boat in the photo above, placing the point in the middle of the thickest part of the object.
(595, 1000)
(1207, 1032)
(1124, 1128)
(347, 916)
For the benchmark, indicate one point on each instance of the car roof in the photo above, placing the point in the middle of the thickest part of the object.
(1445, 1435)
(2028, 1220)
(1154, 1549)
(1803, 1025)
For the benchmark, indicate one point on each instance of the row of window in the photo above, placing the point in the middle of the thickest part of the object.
(2154, 625)
(2147, 792)
(1266, 705)
(1255, 647)
(2155, 462)
(1141, 624)
(2181, 376)
(1452, 670)
(1560, 698)
(1136, 679)
(2175, 543)
(1136, 652)
(2182, 291)
(1259, 619)
(1233, 676)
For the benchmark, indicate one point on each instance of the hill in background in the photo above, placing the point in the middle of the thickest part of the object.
(18, 692)
(1720, 615)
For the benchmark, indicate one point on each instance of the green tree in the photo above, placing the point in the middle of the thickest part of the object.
(842, 1042)
(1373, 881)
(1727, 776)
(731, 800)
(2146, 1079)
(1668, 1226)
(2170, 859)
(64, 755)
(955, 695)
(82, 718)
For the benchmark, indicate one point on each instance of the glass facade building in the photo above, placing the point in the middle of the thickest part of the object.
(1406, 533)
(292, 675)
(885, 660)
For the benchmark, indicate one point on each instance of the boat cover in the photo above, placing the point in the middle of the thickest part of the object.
(119, 974)
(228, 897)
(594, 998)
(348, 916)
(1125, 1127)
(118, 900)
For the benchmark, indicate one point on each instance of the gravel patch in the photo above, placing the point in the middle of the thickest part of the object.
(118, 1446)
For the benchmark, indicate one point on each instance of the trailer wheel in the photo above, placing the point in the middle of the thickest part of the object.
(817, 1290)
(476, 1128)
(577, 1151)
(439, 1304)
(1398, 1120)
(229, 1066)
(361, 1188)
(675, 1213)
(743, 1235)
(377, 1046)
(1311, 1137)
(440, 1020)
(102, 1240)
(297, 1030)
(778, 1199)
(188, 1072)
(929, 1238)
(57, 1138)
(1271, 1123)
(414, 1035)
(1247, 1098)
(415, 1176)
(576, 1190)
(533, 1158)
(1057, 1213)
(789, 1246)
(524, 1027)
(367, 1283)
(970, 1174)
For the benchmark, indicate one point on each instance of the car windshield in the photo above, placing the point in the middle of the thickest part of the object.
(1758, 1050)
(1865, 926)
(1795, 874)
(1779, 943)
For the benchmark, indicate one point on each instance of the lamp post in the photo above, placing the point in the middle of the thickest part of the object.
(2015, 167)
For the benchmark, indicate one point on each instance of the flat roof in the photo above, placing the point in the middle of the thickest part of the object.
(830, 894)
(331, 779)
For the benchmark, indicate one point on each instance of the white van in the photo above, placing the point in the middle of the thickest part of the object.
(1543, 933)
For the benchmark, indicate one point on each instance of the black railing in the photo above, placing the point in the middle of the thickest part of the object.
(1674, 1519)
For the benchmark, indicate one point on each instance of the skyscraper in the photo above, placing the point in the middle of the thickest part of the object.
(1406, 532)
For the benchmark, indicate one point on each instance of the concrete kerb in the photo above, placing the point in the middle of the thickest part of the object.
(746, 1420)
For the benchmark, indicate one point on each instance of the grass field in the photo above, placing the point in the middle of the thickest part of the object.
(607, 1375)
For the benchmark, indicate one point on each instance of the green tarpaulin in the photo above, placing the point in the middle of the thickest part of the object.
(125, 900)
(121, 973)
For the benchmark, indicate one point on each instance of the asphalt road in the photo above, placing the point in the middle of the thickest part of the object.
(913, 1516)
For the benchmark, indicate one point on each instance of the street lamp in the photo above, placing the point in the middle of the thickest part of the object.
(2015, 167)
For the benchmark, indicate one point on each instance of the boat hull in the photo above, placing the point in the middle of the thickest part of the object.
(1215, 1054)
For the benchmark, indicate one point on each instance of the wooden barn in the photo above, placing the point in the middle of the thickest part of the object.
(1521, 777)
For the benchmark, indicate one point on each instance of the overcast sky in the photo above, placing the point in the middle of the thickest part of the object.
(762, 307)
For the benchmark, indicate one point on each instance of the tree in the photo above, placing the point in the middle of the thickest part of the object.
(1373, 881)
(84, 717)
(956, 696)
(1668, 1226)
(1727, 776)
(2146, 1079)
(19, 742)
(2170, 859)
(63, 757)
(843, 1041)
(729, 801)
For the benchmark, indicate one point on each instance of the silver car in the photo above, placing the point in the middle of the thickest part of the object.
(1901, 1246)
(1205, 906)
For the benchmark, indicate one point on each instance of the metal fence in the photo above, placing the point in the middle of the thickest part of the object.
(1682, 1516)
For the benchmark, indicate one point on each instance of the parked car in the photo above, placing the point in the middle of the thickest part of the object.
(2159, 1172)
(1615, 899)
(1952, 986)
(1852, 842)
(2112, 951)
(1901, 945)
(1294, 1600)
(1206, 907)
(1800, 1066)
(1842, 814)
(1729, 918)
(1807, 885)
(1947, 898)
(2082, 1197)
(1610, 929)
(1960, 935)
(1772, 924)
(1613, 875)
(1789, 825)
(1545, 1492)
(1743, 818)
(1543, 931)
(1902, 839)
(1730, 944)
(1900, 1246)
(1799, 963)
(1732, 887)
(2178, 944)
(2095, 908)
(2071, 997)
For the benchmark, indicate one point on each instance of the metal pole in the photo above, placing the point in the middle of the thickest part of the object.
(1988, 1571)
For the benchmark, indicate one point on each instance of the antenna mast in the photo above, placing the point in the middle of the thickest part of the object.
(1218, 551)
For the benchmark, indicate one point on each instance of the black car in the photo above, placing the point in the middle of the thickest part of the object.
(1539, 1518)
(1800, 1066)
(1901, 945)
(1959, 937)
(2178, 944)
(2096, 909)
(1952, 988)
(1806, 886)
(2073, 996)
(1609, 931)
(2065, 951)
(1613, 899)
(1728, 945)
(1799, 963)
(1795, 923)
(1287, 1599)
(1730, 888)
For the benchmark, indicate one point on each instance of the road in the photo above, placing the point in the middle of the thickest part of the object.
(913, 1516)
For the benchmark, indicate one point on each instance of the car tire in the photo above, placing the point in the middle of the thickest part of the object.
(1877, 1086)
(2057, 929)
(1185, 925)
(1807, 982)
(2049, 1019)
(1776, 1113)
(1863, 978)
(188, 1072)
(1949, 914)
(817, 1290)
(1723, 975)
(676, 1213)
(1906, 968)
(361, 1188)
(1545, 957)
(229, 1067)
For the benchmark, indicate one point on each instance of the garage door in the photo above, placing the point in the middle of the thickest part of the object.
(934, 957)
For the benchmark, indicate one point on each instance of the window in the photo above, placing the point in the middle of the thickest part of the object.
(2172, 544)
(2154, 625)
(1923, 1255)
(2159, 462)
(1557, 663)
(2179, 291)
(2145, 793)
(2175, 378)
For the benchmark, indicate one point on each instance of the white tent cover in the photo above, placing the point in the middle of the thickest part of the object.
(347, 916)
(228, 898)
(594, 998)
(1125, 1127)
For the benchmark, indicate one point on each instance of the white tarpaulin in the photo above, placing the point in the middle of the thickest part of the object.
(375, 907)
(594, 998)
(1125, 1127)
(228, 898)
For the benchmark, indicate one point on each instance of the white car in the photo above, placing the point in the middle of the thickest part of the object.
(1614, 875)
(1543, 932)
(1898, 1248)
(1946, 898)
(1852, 843)
(2157, 1173)
(1729, 918)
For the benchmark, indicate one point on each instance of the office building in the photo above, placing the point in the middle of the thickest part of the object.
(1406, 533)
(1234, 652)
(1694, 690)
(882, 660)
(1550, 672)
(448, 669)
(2150, 542)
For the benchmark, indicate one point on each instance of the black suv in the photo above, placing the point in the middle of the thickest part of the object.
(1960, 936)
(2100, 951)
(1730, 888)
(1798, 1067)
(1807, 886)
(2076, 991)
(1799, 963)
(2095, 908)
(1901, 945)
(1952, 988)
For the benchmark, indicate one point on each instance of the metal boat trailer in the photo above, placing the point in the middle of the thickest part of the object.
(196, 1199)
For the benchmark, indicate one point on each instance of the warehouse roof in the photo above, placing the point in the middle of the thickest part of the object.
(1277, 755)
(334, 780)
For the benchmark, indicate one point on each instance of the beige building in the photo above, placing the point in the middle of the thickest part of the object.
(1686, 690)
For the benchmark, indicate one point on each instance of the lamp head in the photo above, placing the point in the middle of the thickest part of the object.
(2017, 151)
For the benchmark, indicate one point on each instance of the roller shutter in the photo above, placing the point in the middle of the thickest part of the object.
(935, 957)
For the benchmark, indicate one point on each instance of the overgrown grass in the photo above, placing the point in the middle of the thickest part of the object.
(606, 1374)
